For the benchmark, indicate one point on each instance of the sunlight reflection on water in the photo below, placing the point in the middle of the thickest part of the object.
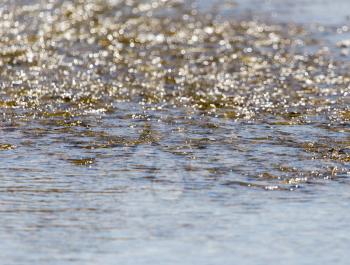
(198, 204)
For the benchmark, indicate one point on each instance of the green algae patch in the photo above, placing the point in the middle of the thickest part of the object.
(345, 115)
(60, 114)
(5, 147)
(82, 161)
(8, 104)
(147, 136)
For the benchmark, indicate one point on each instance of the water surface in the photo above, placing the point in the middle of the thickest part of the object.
(164, 135)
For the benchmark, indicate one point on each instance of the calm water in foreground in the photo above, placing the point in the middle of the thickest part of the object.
(128, 138)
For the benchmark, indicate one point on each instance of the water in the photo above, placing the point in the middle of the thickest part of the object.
(134, 154)
(300, 11)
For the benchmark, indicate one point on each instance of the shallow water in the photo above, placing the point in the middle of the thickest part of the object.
(175, 140)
